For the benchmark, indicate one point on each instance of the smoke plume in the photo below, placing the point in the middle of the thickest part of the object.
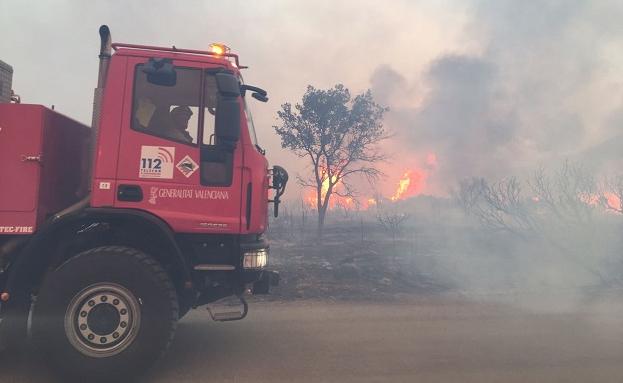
(542, 88)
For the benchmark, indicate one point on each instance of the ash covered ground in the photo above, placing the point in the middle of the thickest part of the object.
(435, 250)
(359, 262)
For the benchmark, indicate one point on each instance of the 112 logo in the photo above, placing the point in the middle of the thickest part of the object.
(156, 162)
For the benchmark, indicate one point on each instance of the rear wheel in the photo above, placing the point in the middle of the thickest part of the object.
(107, 313)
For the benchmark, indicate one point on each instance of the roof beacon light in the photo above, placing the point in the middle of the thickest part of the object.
(219, 49)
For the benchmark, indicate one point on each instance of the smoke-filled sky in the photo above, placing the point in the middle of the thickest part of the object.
(488, 87)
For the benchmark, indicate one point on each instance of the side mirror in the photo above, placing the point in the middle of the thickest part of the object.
(227, 121)
(258, 93)
(160, 71)
(259, 97)
(227, 84)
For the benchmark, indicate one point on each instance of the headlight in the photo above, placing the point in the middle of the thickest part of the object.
(255, 259)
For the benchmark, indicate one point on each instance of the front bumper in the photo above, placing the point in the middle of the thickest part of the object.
(248, 273)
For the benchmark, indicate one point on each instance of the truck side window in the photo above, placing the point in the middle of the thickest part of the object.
(170, 112)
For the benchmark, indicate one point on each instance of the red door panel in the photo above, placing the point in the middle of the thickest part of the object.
(167, 170)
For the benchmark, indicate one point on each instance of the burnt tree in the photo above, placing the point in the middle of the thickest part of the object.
(338, 134)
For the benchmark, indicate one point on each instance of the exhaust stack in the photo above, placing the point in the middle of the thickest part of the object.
(104, 61)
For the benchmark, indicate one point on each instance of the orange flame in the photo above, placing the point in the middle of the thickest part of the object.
(613, 200)
(324, 189)
(608, 199)
(403, 186)
(411, 184)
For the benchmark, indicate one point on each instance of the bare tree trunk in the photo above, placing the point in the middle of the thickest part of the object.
(323, 206)
(322, 213)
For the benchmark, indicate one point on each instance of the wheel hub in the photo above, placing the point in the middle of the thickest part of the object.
(102, 320)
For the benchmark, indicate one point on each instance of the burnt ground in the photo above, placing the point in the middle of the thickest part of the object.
(362, 260)
(352, 261)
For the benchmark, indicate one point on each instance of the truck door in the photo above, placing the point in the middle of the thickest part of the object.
(171, 163)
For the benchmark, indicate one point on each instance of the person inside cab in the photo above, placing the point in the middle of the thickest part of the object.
(180, 115)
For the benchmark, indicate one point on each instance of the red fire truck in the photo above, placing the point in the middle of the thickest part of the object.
(110, 234)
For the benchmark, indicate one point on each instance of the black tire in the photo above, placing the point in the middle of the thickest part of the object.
(76, 302)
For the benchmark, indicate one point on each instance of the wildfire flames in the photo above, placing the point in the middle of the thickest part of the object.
(403, 186)
(411, 183)
(335, 200)
(613, 200)
(608, 199)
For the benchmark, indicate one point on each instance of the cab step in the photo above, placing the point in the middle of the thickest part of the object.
(228, 309)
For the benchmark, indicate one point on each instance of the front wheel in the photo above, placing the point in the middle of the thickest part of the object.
(107, 313)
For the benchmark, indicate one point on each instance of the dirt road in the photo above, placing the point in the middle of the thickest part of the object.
(424, 340)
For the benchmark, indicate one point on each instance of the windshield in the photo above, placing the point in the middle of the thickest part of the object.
(247, 112)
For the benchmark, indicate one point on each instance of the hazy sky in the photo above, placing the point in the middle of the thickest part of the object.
(488, 86)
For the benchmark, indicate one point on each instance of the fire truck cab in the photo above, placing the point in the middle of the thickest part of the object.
(105, 249)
